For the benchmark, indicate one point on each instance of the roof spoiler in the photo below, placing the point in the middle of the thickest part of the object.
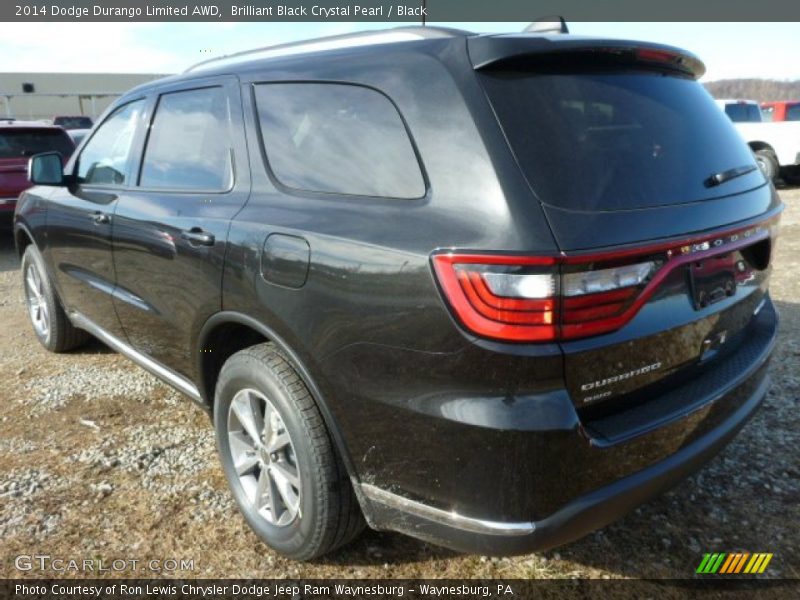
(515, 50)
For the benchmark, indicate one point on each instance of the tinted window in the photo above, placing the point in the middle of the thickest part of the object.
(104, 159)
(793, 112)
(16, 143)
(73, 122)
(608, 141)
(743, 113)
(189, 147)
(342, 139)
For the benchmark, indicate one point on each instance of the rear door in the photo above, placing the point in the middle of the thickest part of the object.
(80, 217)
(658, 206)
(171, 230)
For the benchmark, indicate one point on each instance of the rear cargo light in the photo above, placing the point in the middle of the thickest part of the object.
(552, 298)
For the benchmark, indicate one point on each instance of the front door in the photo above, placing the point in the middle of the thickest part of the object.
(170, 231)
(81, 217)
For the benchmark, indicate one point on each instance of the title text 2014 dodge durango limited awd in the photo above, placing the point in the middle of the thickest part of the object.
(492, 291)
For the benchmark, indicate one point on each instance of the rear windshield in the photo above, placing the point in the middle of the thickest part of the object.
(743, 113)
(616, 141)
(27, 142)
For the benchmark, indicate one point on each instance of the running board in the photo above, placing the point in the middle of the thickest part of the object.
(179, 382)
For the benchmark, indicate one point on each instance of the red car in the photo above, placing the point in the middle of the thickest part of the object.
(785, 110)
(19, 140)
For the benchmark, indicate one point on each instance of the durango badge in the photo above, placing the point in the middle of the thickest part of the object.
(593, 385)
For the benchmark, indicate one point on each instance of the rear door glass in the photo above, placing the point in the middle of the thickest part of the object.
(589, 140)
(189, 145)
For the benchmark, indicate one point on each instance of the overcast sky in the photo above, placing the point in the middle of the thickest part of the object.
(769, 50)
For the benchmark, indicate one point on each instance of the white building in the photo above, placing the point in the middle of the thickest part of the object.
(34, 96)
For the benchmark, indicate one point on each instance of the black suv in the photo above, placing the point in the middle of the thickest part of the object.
(492, 291)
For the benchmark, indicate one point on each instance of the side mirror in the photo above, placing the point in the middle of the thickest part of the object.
(46, 169)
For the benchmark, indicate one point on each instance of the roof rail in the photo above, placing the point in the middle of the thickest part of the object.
(348, 40)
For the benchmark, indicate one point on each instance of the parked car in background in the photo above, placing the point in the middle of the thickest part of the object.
(784, 110)
(491, 291)
(77, 135)
(775, 144)
(78, 122)
(19, 140)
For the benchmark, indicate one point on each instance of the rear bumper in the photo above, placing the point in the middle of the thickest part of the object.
(611, 476)
(7, 204)
(577, 518)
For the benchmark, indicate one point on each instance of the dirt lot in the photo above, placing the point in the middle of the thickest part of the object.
(100, 460)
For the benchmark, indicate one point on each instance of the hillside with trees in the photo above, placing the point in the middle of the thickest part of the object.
(762, 90)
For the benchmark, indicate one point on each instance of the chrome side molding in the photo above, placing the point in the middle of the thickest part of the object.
(179, 382)
(443, 517)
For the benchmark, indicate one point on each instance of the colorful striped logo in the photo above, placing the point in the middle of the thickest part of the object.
(734, 562)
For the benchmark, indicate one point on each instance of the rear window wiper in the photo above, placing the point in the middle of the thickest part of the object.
(723, 176)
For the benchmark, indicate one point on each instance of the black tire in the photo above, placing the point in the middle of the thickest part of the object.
(60, 335)
(328, 515)
(768, 163)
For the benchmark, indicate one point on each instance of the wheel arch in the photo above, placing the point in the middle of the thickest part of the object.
(251, 332)
(755, 146)
(22, 238)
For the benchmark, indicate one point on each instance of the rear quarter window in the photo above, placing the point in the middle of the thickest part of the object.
(337, 138)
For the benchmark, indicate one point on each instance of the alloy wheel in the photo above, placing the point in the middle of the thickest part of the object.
(37, 304)
(264, 458)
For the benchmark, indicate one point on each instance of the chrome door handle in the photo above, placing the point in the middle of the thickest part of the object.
(198, 237)
(100, 218)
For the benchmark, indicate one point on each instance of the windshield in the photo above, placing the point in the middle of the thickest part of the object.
(27, 142)
(617, 140)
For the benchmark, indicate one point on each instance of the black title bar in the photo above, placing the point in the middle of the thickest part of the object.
(400, 10)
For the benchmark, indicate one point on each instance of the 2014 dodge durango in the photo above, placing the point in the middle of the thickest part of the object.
(492, 291)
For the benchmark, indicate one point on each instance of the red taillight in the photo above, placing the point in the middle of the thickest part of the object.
(477, 288)
(551, 298)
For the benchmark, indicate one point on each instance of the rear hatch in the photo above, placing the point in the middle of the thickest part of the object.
(664, 221)
(17, 145)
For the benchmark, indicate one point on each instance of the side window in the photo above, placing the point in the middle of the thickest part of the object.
(189, 146)
(104, 160)
(337, 138)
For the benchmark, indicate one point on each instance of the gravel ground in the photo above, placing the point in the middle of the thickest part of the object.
(101, 460)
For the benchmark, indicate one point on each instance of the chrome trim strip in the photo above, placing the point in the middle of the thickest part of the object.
(167, 375)
(443, 517)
